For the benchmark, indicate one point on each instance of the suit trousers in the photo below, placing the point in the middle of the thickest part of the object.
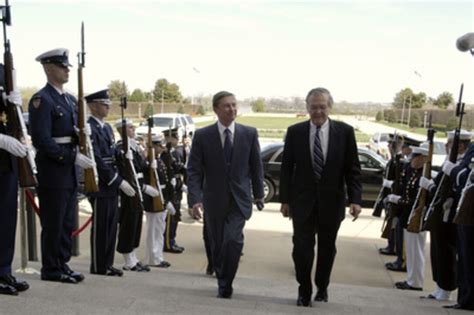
(207, 245)
(466, 266)
(103, 233)
(444, 255)
(415, 258)
(58, 217)
(8, 218)
(304, 233)
(226, 240)
(155, 227)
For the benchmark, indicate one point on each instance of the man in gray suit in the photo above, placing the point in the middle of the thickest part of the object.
(224, 171)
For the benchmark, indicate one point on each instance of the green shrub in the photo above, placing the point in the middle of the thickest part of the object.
(415, 120)
(379, 116)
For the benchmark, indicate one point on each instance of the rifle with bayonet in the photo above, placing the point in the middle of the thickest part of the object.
(415, 220)
(154, 180)
(127, 168)
(91, 177)
(444, 188)
(16, 126)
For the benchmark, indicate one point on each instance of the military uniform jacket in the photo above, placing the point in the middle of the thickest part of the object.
(164, 183)
(103, 142)
(5, 157)
(174, 171)
(54, 115)
(409, 191)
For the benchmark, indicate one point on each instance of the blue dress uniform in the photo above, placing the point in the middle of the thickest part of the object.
(465, 299)
(173, 158)
(53, 120)
(8, 218)
(104, 202)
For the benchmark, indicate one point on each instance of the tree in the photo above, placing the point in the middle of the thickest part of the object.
(407, 96)
(452, 123)
(180, 109)
(258, 106)
(379, 116)
(415, 120)
(391, 116)
(444, 100)
(201, 111)
(166, 91)
(148, 110)
(138, 96)
(117, 89)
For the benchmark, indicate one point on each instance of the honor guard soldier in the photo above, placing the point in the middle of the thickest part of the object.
(53, 125)
(443, 232)
(9, 149)
(176, 169)
(104, 202)
(156, 221)
(130, 218)
(414, 242)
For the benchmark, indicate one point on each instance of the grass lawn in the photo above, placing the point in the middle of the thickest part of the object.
(420, 130)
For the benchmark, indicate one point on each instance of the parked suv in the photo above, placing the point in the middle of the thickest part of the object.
(379, 144)
(161, 122)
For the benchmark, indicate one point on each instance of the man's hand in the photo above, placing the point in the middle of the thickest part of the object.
(13, 146)
(354, 210)
(83, 161)
(285, 210)
(259, 203)
(196, 211)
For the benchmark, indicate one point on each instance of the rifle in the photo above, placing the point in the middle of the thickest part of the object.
(91, 177)
(185, 155)
(464, 210)
(153, 176)
(127, 168)
(444, 187)
(392, 209)
(415, 220)
(384, 192)
(15, 123)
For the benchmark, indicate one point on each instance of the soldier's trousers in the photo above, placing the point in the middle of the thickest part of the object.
(466, 267)
(443, 255)
(8, 217)
(172, 226)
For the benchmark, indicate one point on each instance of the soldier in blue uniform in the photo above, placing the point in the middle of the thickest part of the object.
(105, 201)
(53, 120)
(173, 159)
(9, 149)
(130, 218)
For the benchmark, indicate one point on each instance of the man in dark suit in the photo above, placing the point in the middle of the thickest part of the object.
(320, 156)
(224, 171)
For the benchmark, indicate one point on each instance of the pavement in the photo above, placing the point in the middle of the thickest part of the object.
(265, 282)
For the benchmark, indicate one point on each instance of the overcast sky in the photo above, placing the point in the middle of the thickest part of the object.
(360, 50)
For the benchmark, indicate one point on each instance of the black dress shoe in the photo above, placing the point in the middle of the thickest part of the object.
(181, 248)
(321, 296)
(74, 274)
(453, 306)
(386, 251)
(64, 278)
(428, 297)
(301, 301)
(403, 285)
(173, 249)
(19, 285)
(225, 294)
(7, 289)
(163, 264)
(112, 271)
(393, 266)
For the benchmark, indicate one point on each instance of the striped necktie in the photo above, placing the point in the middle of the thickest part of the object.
(318, 158)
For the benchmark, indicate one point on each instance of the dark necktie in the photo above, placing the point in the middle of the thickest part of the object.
(318, 158)
(227, 147)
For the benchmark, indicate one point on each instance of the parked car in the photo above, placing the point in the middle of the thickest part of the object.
(379, 144)
(161, 122)
(372, 167)
(439, 154)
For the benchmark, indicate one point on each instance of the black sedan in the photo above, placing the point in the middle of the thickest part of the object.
(372, 166)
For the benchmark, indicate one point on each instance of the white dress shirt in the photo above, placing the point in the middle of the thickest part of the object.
(323, 137)
(222, 129)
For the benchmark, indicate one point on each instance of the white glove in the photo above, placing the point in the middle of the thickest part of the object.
(83, 161)
(170, 208)
(448, 167)
(426, 183)
(150, 191)
(14, 97)
(87, 129)
(127, 188)
(184, 189)
(393, 198)
(129, 155)
(387, 183)
(173, 182)
(154, 165)
(13, 146)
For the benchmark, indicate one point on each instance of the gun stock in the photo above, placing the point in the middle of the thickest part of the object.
(153, 176)
(15, 123)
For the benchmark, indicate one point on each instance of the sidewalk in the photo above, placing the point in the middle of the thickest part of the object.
(265, 282)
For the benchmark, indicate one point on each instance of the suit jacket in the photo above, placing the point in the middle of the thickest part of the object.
(208, 180)
(298, 186)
